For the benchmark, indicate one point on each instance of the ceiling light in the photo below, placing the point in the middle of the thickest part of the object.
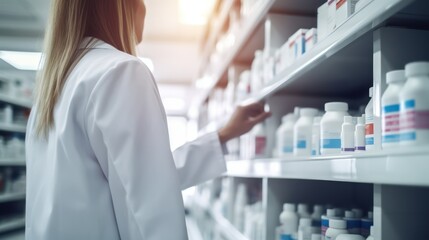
(195, 12)
(22, 60)
(149, 63)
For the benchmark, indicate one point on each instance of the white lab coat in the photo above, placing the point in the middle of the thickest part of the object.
(106, 170)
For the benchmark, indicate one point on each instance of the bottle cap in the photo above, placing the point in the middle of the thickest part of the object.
(302, 207)
(416, 69)
(337, 223)
(336, 106)
(330, 213)
(348, 119)
(395, 76)
(357, 211)
(289, 207)
(318, 208)
(371, 92)
(349, 214)
(370, 215)
(308, 112)
(339, 212)
(303, 222)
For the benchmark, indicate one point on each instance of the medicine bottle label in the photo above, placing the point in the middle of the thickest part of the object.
(331, 140)
(301, 142)
(413, 120)
(369, 129)
(260, 143)
(391, 123)
(288, 146)
(286, 237)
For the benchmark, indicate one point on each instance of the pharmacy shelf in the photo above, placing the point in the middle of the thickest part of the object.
(300, 73)
(9, 197)
(247, 27)
(394, 167)
(12, 128)
(213, 34)
(21, 103)
(227, 230)
(14, 223)
(12, 162)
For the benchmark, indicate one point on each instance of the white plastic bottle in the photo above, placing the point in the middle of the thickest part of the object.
(315, 140)
(316, 236)
(304, 224)
(316, 216)
(372, 126)
(330, 214)
(414, 99)
(360, 134)
(257, 72)
(289, 220)
(259, 141)
(390, 105)
(8, 114)
(330, 127)
(348, 135)
(336, 227)
(350, 237)
(303, 210)
(239, 205)
(303, 132)
(285, 135)
(371, 236)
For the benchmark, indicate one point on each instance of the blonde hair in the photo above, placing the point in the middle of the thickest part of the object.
(70, 22)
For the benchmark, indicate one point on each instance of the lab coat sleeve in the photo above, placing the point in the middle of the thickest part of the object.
(200, 160)
(127, 127)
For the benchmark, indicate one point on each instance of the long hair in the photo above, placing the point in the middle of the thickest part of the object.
(70, 22)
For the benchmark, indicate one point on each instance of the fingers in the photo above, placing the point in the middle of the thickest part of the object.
(256, 106)
(260, 118)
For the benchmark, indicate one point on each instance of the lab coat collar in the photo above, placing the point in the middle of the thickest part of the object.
(92, 43)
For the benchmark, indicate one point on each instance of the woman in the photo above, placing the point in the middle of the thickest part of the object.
(98, 158)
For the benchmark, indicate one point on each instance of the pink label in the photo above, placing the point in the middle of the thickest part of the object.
(391, 123)
(415, 120)
(260, 143)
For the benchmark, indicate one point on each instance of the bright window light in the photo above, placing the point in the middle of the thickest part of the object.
(195, 12)
(22, 60)
(149, 63)
(173, 104)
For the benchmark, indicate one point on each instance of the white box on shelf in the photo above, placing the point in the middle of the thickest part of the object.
(345, 8)
(322, 21)
(279, 27)
(332, 9)
(310, 39)
(297, 44)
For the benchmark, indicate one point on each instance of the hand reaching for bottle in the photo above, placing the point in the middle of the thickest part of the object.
(242, 121)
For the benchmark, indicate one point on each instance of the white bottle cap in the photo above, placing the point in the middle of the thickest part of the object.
(416, 68)
(361, 120)
(286, 118)
(316, 236)
(336, 106)
(302, 207)
(371, 91)
(289, 207)
(330, 213)
(308, 112)
(370, 215)
(318, 208)
(348, 119)
(357, 211)
(339, 212)
(395, 76)
(304, 222)
(349, 214)
(337, 223)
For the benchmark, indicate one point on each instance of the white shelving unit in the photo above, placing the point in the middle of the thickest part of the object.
(14, 101)
(12, 128)
(13, 223)
(12, 162)
(7, 197)
(383, 36)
